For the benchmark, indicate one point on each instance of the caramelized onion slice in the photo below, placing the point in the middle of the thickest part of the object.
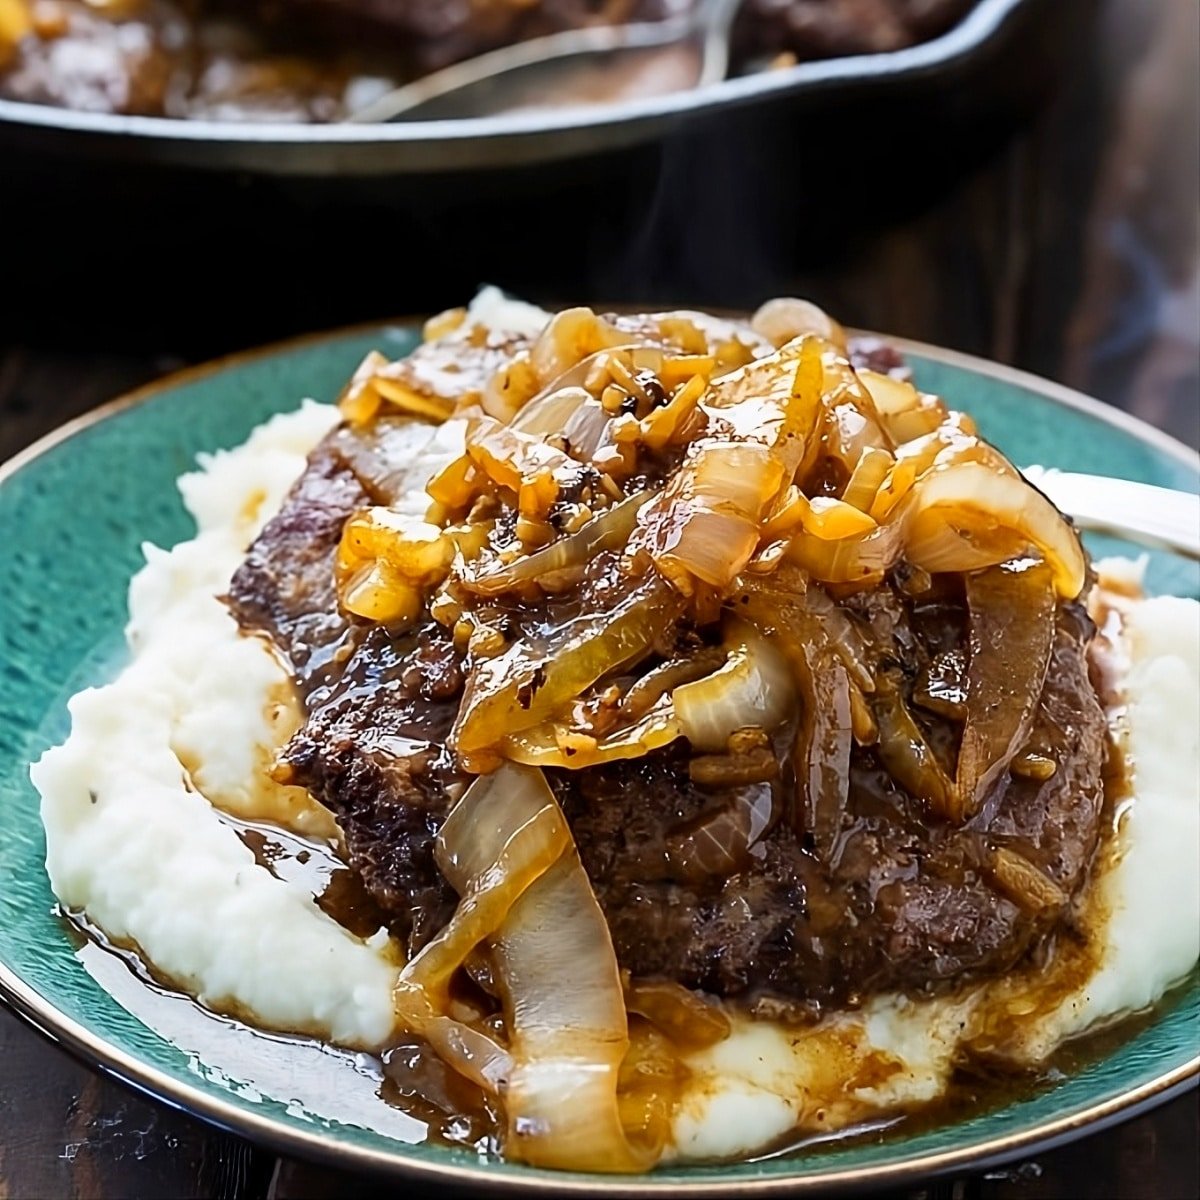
(672, 421)
(761, 421)
(904, 412)
(570, 336)
(1024, 883)
(691, 539)
(982, 503)
(850, 424)
(529, 684)
(686, 1018)
(555, 745)
(773, 401)
(809, 629)
(548, 411)
(821, 753)
(504, 833)
(506, 850)
(661, 680)
(378, 381)
(788, 601)
(649, 1084)
(833, 520)
(524, 464)
(513, 385)
(959, 516)
(787, 317)
(904, 751)
(386, 562)
(1011, 636)
(954, 440)
(719, 842)
(859, 561)
(842, 634)
(943, 546)
(568, 1030)
(506, 825)
(892, 396)
(867, 478)
(608, 531)
(753, 688)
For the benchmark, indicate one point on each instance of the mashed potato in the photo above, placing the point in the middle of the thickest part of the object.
(132, 807)
(134, 836)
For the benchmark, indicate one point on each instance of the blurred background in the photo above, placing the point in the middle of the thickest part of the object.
(1031, 198)
(1030, 195)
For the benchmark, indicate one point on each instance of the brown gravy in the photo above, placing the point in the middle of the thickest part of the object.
(408, 1094)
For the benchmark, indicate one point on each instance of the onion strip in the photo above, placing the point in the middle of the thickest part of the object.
(824, 650)
(608, 531)
(761, 422)
(550, 744)
(1011, 637)
(568, 1030)
(507, 851)
(753, 688)
(821, 753)
(548, 411)
(719, 842)
(661, 680)
(979, 501)
(682, 1015)
(501, 836)
(904, 751)
(958, 516)
(524, 686)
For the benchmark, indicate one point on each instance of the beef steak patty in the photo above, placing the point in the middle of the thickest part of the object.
(905, 902)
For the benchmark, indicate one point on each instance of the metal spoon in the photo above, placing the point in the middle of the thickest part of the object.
(1140, 512)
(517, 76)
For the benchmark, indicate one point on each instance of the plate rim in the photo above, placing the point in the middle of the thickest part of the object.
(110, 1059)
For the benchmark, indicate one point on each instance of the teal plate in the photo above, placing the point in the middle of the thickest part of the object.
(74, 511)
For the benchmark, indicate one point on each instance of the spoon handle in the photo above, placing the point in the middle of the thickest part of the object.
(522, 56)
(1141, 512)
(718, 17)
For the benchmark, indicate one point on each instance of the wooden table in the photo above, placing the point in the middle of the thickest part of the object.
(1074, 252)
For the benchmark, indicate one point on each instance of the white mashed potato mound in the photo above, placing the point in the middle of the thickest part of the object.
(1162, 826)
(134, 839)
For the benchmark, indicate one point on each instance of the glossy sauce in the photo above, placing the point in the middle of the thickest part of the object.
(408, 1094)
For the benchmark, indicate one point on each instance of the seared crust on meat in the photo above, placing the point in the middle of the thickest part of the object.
(905, 901)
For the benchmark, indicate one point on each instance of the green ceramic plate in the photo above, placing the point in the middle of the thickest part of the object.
(74, 511)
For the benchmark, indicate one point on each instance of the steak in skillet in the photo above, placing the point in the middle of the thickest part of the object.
(294, 60)
(805, 29)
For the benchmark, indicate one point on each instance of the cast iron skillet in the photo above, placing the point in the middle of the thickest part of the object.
(503, 141)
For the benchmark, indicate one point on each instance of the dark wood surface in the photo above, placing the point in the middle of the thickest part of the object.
(1072, 251)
